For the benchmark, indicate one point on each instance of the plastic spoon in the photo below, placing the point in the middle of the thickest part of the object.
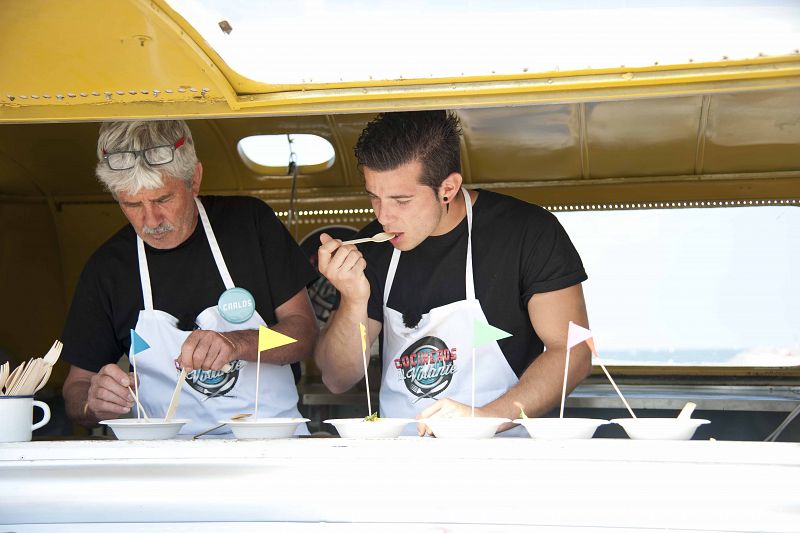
(378, 237)
(686, 412)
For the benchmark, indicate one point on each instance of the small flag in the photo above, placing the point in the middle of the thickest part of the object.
(483, 333)
(138, 344)
(268, 339)
(577, 335)
(363, 330)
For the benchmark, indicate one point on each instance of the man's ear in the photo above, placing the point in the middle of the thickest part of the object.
(197, 178)
(450, 186)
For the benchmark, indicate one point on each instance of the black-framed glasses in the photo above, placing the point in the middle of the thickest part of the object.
(154, 156)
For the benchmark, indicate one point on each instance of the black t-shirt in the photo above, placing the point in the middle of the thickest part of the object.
(518, 250)
(259, 252)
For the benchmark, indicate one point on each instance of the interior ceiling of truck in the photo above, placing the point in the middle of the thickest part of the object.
(698, 131)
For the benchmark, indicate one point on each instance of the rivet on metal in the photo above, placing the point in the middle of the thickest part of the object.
(23, 97)
(71, 95)
(204, 91)
(192, 89)
(107, 94)
(95, 93)
(181, 90)
(60, 96)
(131, 92)
(84, 95)
(144, 91)
(120, 93)
(156, 92)
(46, 96)
(35, 96)
(168, 91)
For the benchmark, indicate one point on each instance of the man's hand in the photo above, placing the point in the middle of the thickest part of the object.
(446, 408)
(343, 266)
(108, 395)
(207, 350)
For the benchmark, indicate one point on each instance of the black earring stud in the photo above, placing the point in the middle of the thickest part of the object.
(446, 205)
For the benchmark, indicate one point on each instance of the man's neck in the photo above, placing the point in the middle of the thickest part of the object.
(456, 213)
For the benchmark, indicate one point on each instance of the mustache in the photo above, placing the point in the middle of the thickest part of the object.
(158, 230)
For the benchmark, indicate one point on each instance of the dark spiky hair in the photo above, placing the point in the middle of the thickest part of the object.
(395, 139)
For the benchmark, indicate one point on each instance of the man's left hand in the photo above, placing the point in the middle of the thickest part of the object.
(207, 350)
(445, 408)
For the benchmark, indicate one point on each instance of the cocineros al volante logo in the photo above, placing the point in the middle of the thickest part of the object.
(427, 366)
(214, 383)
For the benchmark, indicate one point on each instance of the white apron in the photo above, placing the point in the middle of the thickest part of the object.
(434, 359)
(207, 396)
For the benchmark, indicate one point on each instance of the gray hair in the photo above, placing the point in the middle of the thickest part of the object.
(138, 135)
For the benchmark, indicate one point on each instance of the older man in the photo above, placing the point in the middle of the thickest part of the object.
(194, 277)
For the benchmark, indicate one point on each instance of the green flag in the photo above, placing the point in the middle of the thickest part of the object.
(483, 333)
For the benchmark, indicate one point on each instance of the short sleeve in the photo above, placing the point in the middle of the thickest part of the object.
(90, 341)
(549, 260)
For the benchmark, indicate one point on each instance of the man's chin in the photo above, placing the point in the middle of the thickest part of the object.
(162, 241)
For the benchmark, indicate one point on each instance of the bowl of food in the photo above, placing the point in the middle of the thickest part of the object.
(264, 428)
(660, 428)
(465, 427)
(145, 428)
(371, 427)
(561, 428)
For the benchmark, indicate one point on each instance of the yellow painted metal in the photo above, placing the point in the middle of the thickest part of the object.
(108, 59)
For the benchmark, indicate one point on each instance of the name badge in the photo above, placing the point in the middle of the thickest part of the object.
(236, 305)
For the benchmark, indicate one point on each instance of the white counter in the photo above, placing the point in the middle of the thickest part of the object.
(412, 484)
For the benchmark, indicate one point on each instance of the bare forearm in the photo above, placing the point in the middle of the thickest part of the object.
(338, 352)
(76, 395)
(539, 388)
(302, 329)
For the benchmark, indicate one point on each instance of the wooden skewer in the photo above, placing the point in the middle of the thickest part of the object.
(173, 404)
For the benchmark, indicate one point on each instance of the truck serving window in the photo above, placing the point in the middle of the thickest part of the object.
(692, 286)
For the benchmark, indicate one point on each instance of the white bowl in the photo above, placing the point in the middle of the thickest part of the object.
(561, 428)
(141, 429)
(264, 428)
(466, 427)
(660, 428)
(382, 428)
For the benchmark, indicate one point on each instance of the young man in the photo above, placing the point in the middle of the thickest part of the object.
(458, 256)
(195, 277)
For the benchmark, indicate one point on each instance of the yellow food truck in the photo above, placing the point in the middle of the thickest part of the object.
(664, 136)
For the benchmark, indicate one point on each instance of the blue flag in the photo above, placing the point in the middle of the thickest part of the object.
(138, 344)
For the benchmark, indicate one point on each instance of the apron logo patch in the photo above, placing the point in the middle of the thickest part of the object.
(214, 382)
(427, 367)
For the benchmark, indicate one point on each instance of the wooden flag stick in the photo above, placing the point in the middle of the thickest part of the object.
(564, 387)
(135, 382)
(473, 381)
(258, 377)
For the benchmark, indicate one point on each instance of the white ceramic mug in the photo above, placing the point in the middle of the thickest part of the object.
(16, 417)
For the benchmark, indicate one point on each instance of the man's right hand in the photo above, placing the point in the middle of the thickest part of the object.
(108, 395)
(343, 266)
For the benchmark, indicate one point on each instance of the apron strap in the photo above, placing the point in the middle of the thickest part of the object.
(469, 281)
(144, 274)
(212, 242)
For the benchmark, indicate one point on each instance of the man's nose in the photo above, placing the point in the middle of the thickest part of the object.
(383, 215)
(152, 216)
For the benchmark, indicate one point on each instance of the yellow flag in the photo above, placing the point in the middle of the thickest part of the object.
(363, 330)
(268, 338)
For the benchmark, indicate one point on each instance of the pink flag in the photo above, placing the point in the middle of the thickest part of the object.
(577, 335)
